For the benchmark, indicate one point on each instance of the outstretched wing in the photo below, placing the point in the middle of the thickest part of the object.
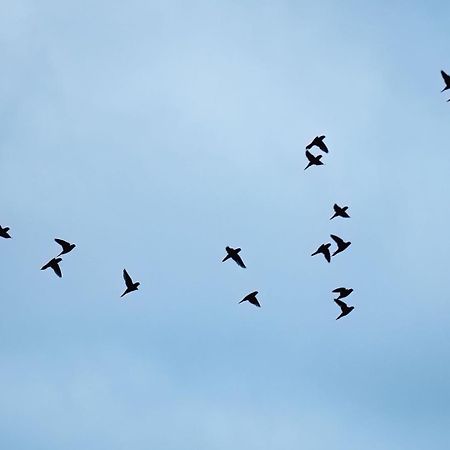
(445, 77)
(339, 290)
(311, 144)
(322, 146)
(238, 260)
(57, 269)
(341, 305)
(64, 244)
(127, 278)
(310, 156)
(337, 239)
(326, 252)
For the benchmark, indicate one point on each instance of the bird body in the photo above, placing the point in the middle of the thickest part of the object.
(54, 264)
(318, 142)
(341, 244)
(129, 284)
(252, 299)
(4, 232)
(66, 246)
(313, 160)
(345, 309)
(325, 250)
(340, 212)
(233, 253)
(343, 292)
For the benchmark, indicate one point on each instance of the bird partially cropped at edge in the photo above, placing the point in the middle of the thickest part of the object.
(343, 292)
(54, 264)
(341, 244)
(233, 254)
(325, 250)
(345, 309)
(340, 212)
(66, 246)
(252, 299)
(446, 78)
(318, 142)
(4, 232)
(313, 160)
(129, 284)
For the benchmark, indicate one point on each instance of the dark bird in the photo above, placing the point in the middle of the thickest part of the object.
(4, 232)
(318, 142)
(341, 244)
(66, 246)
(340, 212)
(344, 308)
(129, 283)
(54, 264)
(325, 250)
(343, 292)
(446, 81)
(313, 160)
(252, 299)
(233, 254)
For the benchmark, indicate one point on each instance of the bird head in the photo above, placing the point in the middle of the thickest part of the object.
(138, 284)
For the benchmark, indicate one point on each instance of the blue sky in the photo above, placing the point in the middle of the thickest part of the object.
(153, 134)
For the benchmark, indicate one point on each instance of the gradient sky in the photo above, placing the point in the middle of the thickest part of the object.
(153, 134)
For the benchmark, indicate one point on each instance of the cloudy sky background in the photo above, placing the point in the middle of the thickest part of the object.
(153, 134)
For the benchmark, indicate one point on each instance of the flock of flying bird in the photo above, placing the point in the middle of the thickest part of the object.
(233, 253)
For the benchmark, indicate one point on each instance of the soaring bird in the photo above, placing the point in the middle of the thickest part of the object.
(446, 81)
(66, 246)
(344, 308)
(341, 244)
(340, 212)
(54, 264)
(325, 250)
(233, 254)
(129, 283)
(318, 142)
(252, 299)
(4, 232)
(343, 292)
(313, 160)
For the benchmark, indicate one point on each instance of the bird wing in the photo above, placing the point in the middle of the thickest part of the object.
(341, 304)
(339, 290)
(310, 156)
(238, 261)
(336, 208)
(322, 146)
(64, 244)
(254, 301)
(57, 269)
(127, 278)
(310, 145)
(445, 77)
(327, 254)
(337, 239)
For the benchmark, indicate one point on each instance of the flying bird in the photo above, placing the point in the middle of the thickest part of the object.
(54, 264)
(344, 308)
(4, 232)
(66, 246)
(129, 283)
(341, 244)
(233, 254)
(446, 78)
(252, 299)
(318, 142)
(343, 292)
(340, 212)
(325, 250)
(313, 160)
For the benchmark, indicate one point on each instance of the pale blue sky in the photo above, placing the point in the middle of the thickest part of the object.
(153, 134)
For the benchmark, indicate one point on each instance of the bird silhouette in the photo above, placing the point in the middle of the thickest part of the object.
(446, 78)
(313, 160)
(344, 308)
(129, 283)
(325, 250)
(4, 232)
(233, 254)
(252, 299)
(66, 246)
(340, 212)
(343, 292)
(341, 244)
(54, 264)
(318, 142)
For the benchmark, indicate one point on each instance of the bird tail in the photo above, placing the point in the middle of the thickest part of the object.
(226, 257)
(307, 166)
(333, 216)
